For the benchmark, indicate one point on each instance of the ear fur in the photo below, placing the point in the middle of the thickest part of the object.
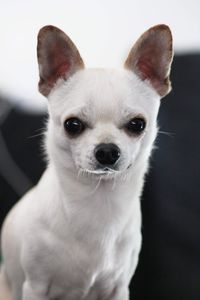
(58, 57)
(151, 57)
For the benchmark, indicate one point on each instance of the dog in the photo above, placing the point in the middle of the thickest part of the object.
(77, 234)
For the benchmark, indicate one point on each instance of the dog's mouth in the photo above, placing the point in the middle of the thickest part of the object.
(106, 172)
(103, 171)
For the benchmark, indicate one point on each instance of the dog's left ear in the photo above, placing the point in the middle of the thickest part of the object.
(151, 57)
(58, 57)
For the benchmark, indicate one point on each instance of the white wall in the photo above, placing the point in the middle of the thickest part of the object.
(103, 30)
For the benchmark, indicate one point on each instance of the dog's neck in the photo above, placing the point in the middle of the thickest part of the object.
(98, 206)
(84, 187)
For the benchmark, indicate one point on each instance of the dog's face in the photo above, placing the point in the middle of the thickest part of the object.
(103, 122)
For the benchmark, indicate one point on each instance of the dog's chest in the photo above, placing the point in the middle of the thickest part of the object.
(85, 267)
(93, 251)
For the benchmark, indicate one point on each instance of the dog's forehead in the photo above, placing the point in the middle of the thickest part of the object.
(107, 92)
(104, 90)
(105, 86)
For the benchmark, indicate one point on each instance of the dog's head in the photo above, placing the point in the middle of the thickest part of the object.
(103, 121)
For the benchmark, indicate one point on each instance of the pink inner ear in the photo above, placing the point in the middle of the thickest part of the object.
(59, 71)
(58, 62)
(149, 62)
(146, 69)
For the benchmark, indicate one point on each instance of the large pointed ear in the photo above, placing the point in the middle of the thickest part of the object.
(58, 57)
(151, 57)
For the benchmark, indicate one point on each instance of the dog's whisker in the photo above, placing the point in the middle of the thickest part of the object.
(170, 134)
(39, 132)
(114, 181)
(35, 135)
(79, 173)
(124, 177)
(97, 186)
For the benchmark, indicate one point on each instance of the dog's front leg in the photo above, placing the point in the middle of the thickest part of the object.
(33, 292)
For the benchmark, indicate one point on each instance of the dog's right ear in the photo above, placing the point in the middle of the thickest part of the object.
(58, 57)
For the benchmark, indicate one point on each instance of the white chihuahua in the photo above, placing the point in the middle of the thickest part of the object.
(77, 234)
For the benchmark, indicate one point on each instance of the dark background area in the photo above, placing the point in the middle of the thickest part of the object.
(169, 266)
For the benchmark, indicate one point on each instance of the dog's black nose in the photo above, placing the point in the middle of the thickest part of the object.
(107, 154)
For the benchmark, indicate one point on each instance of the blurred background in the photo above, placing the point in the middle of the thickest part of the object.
(104, 31)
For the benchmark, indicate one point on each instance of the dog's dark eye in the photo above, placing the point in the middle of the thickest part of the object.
(74, 126)
(136, 125)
